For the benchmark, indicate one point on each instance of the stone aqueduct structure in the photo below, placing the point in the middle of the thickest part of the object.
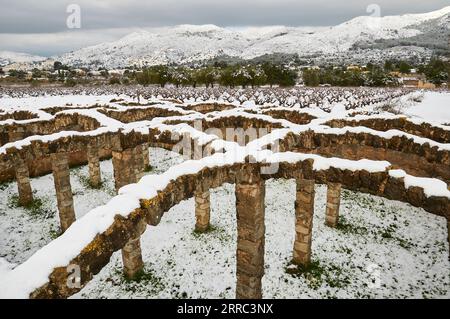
(31, 146)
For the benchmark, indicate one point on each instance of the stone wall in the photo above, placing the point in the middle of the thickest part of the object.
(426, 130)
(129, 152)
(416, 159)
(292, 116)
(138, 114)
(209, 107)
(61, 122)
(37, 154)
(96, 255)
(18, 116)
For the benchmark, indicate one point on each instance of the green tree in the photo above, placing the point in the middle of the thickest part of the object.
(257, 76)
(36, 73)
(437, 71)
(180, 76)
(226, 77)
(114, 80)
(271, 72)
(311, 77)
(19, 74)
(207, 76)
(57, 65)
(388, 65)
(162, 75)
(287, 77)
(404, 67)
(145, 77)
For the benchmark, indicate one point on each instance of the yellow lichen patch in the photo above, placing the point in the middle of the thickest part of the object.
(93, 245)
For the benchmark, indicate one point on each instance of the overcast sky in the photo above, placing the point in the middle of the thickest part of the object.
(39, 26)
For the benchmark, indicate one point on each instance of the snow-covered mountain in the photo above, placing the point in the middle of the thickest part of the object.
(8, 57)
(365, 37)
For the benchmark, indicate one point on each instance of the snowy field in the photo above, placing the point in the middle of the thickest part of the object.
(435, 107)
(381, 249)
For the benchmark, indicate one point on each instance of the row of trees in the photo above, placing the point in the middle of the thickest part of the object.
(231, 76)
(249, 75)
(376, 77)
(436, 71)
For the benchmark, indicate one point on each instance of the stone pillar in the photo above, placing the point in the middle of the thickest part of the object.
(23, 182)
(139, 165)
(132, 258)
(448, 237)
(304, 211)
(250, 240)
(202, 211)
(146, 155)
(123, 165)
(61, 176)
(333, 203)
(94, 166)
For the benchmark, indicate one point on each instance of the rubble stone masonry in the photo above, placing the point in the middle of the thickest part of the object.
(61, 176)
(250, 242)
(304, 212)
(333, 203)
(23, 182)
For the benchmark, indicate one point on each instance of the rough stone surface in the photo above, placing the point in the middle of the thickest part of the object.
(61, 176)
(333, 203)
(94, 166)
(130, 159)
(139, 160)
(132, 258)
(23, 183)
(146, 157)
(251, 235)
(123, 165)
(250, 241)
(202, 211)
(304, 212)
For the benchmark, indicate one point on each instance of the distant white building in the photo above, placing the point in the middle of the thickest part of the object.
(118, 72)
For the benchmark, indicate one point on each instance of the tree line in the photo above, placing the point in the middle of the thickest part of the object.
(436, 71)
(246, 75)
(229, 76)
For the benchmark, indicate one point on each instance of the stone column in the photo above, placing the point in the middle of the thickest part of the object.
(202, 211)
(139, 165)
(304, 211)
(333, 203)
(123, 165)
(250, 240)
(448, 237)
(61, 176)
(94, 165)
(23, 182)
(132, 258)
(146, 155)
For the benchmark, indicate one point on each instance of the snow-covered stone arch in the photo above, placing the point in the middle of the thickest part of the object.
(91, 240)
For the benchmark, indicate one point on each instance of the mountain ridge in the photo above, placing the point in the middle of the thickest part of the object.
(10, 57)
(362, 38)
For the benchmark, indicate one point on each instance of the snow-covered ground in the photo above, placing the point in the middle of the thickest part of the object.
(24, 231)
(381, 248)
(435, 106)
(401, 248)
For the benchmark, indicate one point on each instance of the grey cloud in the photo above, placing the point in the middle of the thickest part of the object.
(44, 17)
